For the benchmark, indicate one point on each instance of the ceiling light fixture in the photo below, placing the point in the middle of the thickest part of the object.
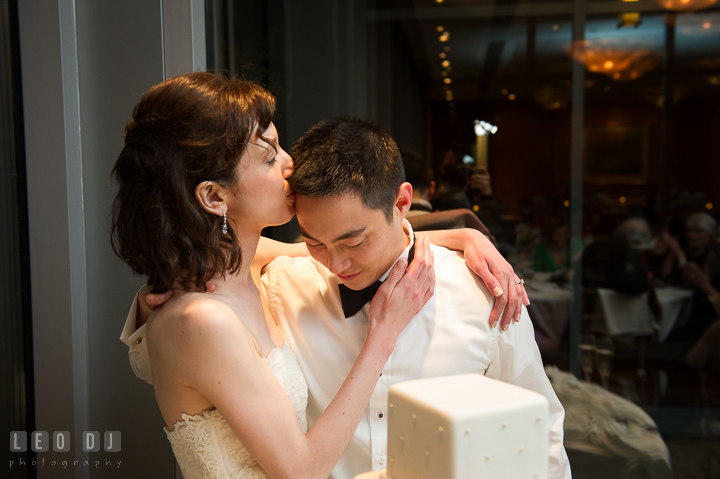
(686, 5)
(483, 128)
(621, 61)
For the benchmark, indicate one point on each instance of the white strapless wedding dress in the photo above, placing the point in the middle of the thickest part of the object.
(206, 447)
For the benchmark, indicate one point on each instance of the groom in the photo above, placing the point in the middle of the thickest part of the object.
(351, 204)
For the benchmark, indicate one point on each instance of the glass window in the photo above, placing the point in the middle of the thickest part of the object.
(585, 136)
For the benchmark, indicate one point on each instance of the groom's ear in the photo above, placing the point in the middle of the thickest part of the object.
(211, 197)
(403, 199)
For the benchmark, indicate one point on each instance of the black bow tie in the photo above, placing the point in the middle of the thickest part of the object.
(353, 301)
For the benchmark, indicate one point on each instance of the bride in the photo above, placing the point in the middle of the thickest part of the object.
(200, 176)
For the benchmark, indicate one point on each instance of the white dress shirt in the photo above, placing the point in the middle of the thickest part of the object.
(450, 335)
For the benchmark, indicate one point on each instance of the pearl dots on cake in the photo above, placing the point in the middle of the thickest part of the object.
(423, 416)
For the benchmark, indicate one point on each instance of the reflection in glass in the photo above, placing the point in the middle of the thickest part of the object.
(604, 358)
(587, 355)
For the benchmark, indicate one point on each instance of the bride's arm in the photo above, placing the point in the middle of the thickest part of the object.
(254, 404)
(269, 249)
(485, 260)
(482, 258)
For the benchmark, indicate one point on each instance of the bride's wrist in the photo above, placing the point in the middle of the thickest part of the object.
(382, 338)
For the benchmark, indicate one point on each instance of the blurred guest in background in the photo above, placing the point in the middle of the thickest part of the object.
(451, 191)
(528, 232)
(701, 248)
(553, 253)
(618, 262)
(420, 176)
(705, 354)
(667, 257)
(489, 209)
(422, 216)
(701, 273)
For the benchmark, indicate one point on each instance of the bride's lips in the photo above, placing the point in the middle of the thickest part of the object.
(348, 277)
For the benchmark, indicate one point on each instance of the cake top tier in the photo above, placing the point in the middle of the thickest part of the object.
(465, 394)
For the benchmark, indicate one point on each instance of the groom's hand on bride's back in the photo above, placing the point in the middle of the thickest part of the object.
(153, 300)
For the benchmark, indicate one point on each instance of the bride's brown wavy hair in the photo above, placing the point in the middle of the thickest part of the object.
(185, 130)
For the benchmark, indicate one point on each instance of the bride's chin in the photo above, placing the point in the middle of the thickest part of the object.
(284, 219)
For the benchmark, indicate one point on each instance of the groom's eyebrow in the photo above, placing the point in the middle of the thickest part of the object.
(344, 236)
(350, 234)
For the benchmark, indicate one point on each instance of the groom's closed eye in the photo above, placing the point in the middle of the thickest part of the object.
(312, 245)
(355, 245)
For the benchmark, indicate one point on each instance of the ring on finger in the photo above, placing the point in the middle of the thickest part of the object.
(522, 281)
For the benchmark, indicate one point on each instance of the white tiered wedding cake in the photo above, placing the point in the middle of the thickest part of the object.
(465, 427)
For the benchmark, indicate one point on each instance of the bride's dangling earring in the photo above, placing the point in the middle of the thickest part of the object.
(224, 225)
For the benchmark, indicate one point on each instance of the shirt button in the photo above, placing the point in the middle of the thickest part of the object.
(380, 374)
(380, 415)
(381, 460)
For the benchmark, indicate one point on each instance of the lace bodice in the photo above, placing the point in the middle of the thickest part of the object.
(206, 447)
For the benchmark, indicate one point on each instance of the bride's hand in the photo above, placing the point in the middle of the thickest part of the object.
(150, 301)
(403, 294)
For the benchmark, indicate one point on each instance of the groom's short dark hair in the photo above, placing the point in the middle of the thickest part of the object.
(348, 155)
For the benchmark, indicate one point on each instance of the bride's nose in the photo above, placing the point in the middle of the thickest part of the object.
(288, 165)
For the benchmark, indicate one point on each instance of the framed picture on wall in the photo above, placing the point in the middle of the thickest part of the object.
(616, 154)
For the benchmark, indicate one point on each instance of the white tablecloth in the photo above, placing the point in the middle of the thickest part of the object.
(630, 315)
(549, 307)
(625, 315)
(676, 303)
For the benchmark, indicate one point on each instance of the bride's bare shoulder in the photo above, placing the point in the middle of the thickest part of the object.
(189, 315)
